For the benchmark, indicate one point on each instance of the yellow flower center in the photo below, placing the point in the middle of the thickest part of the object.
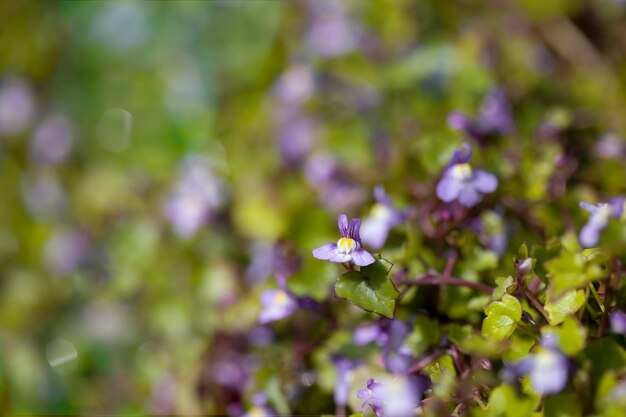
(280, 297)
(346, 245)
(462, 171)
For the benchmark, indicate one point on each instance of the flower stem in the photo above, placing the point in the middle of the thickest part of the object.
(435, 279)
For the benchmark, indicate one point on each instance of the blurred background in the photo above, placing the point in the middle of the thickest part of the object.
(153, 156)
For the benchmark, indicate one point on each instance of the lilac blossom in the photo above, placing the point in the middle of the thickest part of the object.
(348, 247)
(494, 118)
(601, 213)
(52, 140)
(548, 369)
(198, 193)
(618, 322)
(383, 218)
(463, 183)
(277, 304)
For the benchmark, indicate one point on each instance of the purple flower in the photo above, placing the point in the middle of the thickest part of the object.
(494, 118)
(199, 192)
(601, 213)
(17, 106)
(296, 135)
(52, 140)
(260, 408)
(277, 304)
(618, 322)
(296, 85)
(371, 395)
(331, 33)
(463, 183)
(348, 247)
(368, 334)
(548, 369)
(397, 397)
(65, 251)
(383, 218)
(345, 376)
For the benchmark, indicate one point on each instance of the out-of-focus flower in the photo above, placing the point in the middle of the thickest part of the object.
(296, 85)
(618, 322)
(331, 33)
(43, 197)
(384, 217)
(345, 376)
(295, 138)
(368, 334)
(277, 304)
(494, 118)
(17, 106)
(548, 369)
(397, 356)
(260, 407)
(348, 247)
(610, 146)
(601, 213)
(198, 192)
(396, 397)
(463, 183)
(371, 396)
(52, 140)
(65, 250)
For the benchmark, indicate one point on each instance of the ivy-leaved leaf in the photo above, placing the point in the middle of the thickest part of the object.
(370, 289)
(502, 318)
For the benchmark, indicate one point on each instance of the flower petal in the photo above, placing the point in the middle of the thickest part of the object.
(589, 235)
(341, 258)
(374, 232)
(469, 197)
(449, 189)
(353, 229)
(484, 181)
(588, 207)
(342, 224)
(326, 251)
(361, 257)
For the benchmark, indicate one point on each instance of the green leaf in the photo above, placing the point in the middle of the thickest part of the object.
(370, 289)
(502, 318)
(504, 285)
(570, 303)
(504, 402)
(563, 405)
(604, 355)
(425, 334)
(471, 342)
(571, 271)
(572, 336)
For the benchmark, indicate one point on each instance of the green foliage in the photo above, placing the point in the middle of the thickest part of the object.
(502, 318)
(370, 288)
(571, 270)
(504, 401)
(566, 305)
